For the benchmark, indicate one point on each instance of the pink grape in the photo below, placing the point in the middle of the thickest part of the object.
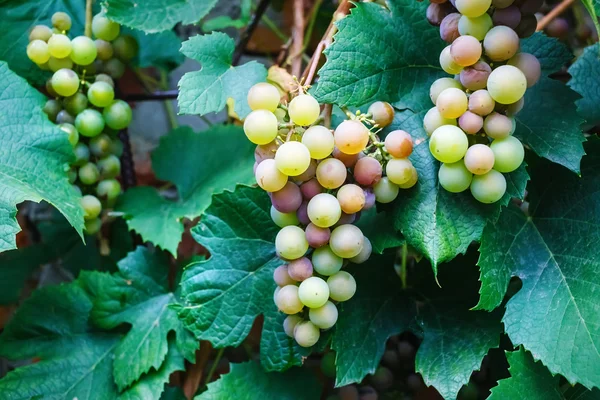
(311, 188)
(300, 269)
(367, 171)
(475, 77)
(399, 144)
(281, 276)
(449, 27)
(288, 199)
(470, 122)
(347, 159)
(316, 236)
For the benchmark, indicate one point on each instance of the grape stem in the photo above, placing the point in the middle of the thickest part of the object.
(556, 11)
(213, 367)
(403, 272)
(298, 37)
(88, 18)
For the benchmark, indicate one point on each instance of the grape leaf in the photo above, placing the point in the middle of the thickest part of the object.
(583, 72)
(553, 252)
(249, 380)
(16, 266)
(157, 15)
(138, 296)
(207, 90)
(207, 162)
(33, 158)
(593, 7)
(381, 54)
(157, 49)
(224, 294)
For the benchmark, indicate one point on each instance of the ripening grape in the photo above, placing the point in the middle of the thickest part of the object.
(488, 188)
(300, 269)
(100, 145)
(302, 213)
(260, 126)
(40, 32)
(288, 199)
(436, 13)
(385, 190)
(364, 254)
(346, 241)
(265, 151)
(64, 117)
(311, 188)
(288, 301)
(441, 84)
(479, 159)
(313, 292)
(281, 276)
(82, 154)
(125, 47)
(399, 170)
(71, 131)
(105, 49)
(367, 171)
(481, 103)
(331, 173)
(455, 177)
(283, 219)
(52, 108)
(470, 122)
(109, 189)
(114, 67)
(76, 103)
(472, 8)
(476, 76)
(105, 29)
(498, 126)
(89, 122)
(292, 158)
(347, 159)
(89, 174)
(268, 176)
(382, 113)
(507, 84)
(351, 137)
(509, 16)
(342, 286)
(447, 63)
(529, 66)
(509, 154)
(399, 144)
(61, 21)
(291, 243)
(317, 236)
(414, 178)
(117, 115)
(351, 198)
(465, 50)
(319, 141)
(93, 226)
(501, 43)
(59, 45)
(289, 324)
(304, 110)
(452, 103)
(38, 51)
(65, 82)
(449, 27)
(101, 94)
(83, 50)
(433, 120)
(110, 167)
(514, 108)
(324, 210)
(476, 27)
(369, 199)
(306, 334)
(448, 144)
(263, 96)
(325, 261)
(325, 316)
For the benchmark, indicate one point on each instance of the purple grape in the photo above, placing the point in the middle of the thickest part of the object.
(527, 26)
(288, 199)
(317, 237)
(509, 16)
(367, 171)
(302, 213)
(369, 199)
(437, 12)
(281, 276)
(300, 269)
(311, 188)
(475, 77)
(449, 27)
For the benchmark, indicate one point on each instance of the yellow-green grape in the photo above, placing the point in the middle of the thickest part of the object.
(287, 300)
(59, 45)
(501, 43)
(342, 286)
(448, 144)
(291, 243)
(91, 207)
(260, 126)
(109, 189)
(414, 178)
(101, 94)
(440, 85)
(61, 21)
(347, 241)
(325, 261)
(452, 103)
(507, 84)
(508, 153)
(83, 50)
(65, 82)
(104, 48)
(263, 96)
(306, 334)
(71, 131)
(382, 113)
(283, 219)
(313, 292)
(476, 27)
(351, 137)
(93, 226)
(433, 120)
(292, 158)
(105, 29)
(89, 123)
(479, 159)
(117, 115)
(269, 177)
(385, 190)
(455, 177)
(324, 210)
(364, 254)
(447, 63)
(40, 32)
(304, 110)
(319, 141)
(54, 64)
(331, 173)
(76, 103)
(488, 188)
(325, 316)
(38, 51)
(110, 167)
(473, 8)
(399, 170)
(125, 47)
(289, 324)
(114, 67)
(89, 174)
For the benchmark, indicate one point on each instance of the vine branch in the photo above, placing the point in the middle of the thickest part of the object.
(298, 37)
(88, 18)
(247, 34)
(556, 11)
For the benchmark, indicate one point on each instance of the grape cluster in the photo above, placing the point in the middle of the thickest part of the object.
(83, 103)
(472, 123)
(319, 181)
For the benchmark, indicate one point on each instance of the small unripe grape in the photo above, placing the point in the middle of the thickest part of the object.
(291, 243)
(455, 177)
(109, 189)
(40, 32)
(110, 167)
(93, 226)
(452, 103)
(385, 190)
(287, 300)
(269, 177)
(509, 154)
(52, 108)
(414, 178)
(91, 207)
(441, 84)
(281, 276)
(326, 262)
(351, 137)
(342, 286)
(509, 16)
(304, 110)
(38, 51)
(82, 154)
(364, 254)
(324, 210)
(449, 27)
(351, 198)
(501, 43)
(283, 219)
(300, 269)
(507, 84)
(479, 159)
(76, 103)
(472, 8)
(313, 292)
(399, 170)
(319, 141)
(260, 127)
(115, 68)
(475, 77)
(117, 115)
(125, 47)
(61, 21)
(488, 188)
(59, 45)
(263, 96)
(529, 66)
(399, 144)
(382, 113)
(465, 50)
(100, 145)
(105, 78)
(292, 158)
(89, 123)
(448, 144)
(101, 94)
(433, 120)
(331, 173)
(72, 133)
(89, 174)
(367, 171)
(104, 48)
(447, 63)
(498, 126)
(306, 334)
(477, 27)
(289, 324)
(470, 122)
(481, 103)
(65, 82)
(324, 317)
(105, 29)
(64, 117)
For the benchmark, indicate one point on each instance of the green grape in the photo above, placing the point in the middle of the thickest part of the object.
(324, 210)
(291, 243)
(507, 84)
(288, 301)
(117, 115)
(88, 174)
(108, 189)
(59, 45)
(306, 334)
(38, 51)
(105, 78)
(93, 226)
(440, 85)
(465, 50)
(76, 103)
(304, 109)
(110, 167)
(448, 144)
(385, 190)
(479, 159)
(105, 49)
(40, 32)
(83, 51)
(114, 67)
(105, 29)
(452, 103)
(501, 43)
(50, 89)
(331, 173)
(292, 158)
(289, 324)
(319, 141)
(116, 148)
(472, 8)
(347, 241)
(91, 207)
(283, 219)
(125, 47)
(65, 82)
(52, 108)
(71, 131)
(101, 94)
(488, 188)
(269, 177)
(447, 63)
(364, 254)
(260, 126)
(64, 117)
(82, 154)
(399, 170)
(313, 292)
(529, 66)
(61, 21)
(324, 317)
(342, 286)
(264, 96)
(325, 261)
(433, 120)
(477, 27)
(89, 123)
(508, 153)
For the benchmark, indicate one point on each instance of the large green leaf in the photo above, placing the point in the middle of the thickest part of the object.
(584, 81)
(138, 296)
(199, 164)
(157, 15)
(225, 294)
(33, 158)
(249, 380)
(207, 90)
(554, 253)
